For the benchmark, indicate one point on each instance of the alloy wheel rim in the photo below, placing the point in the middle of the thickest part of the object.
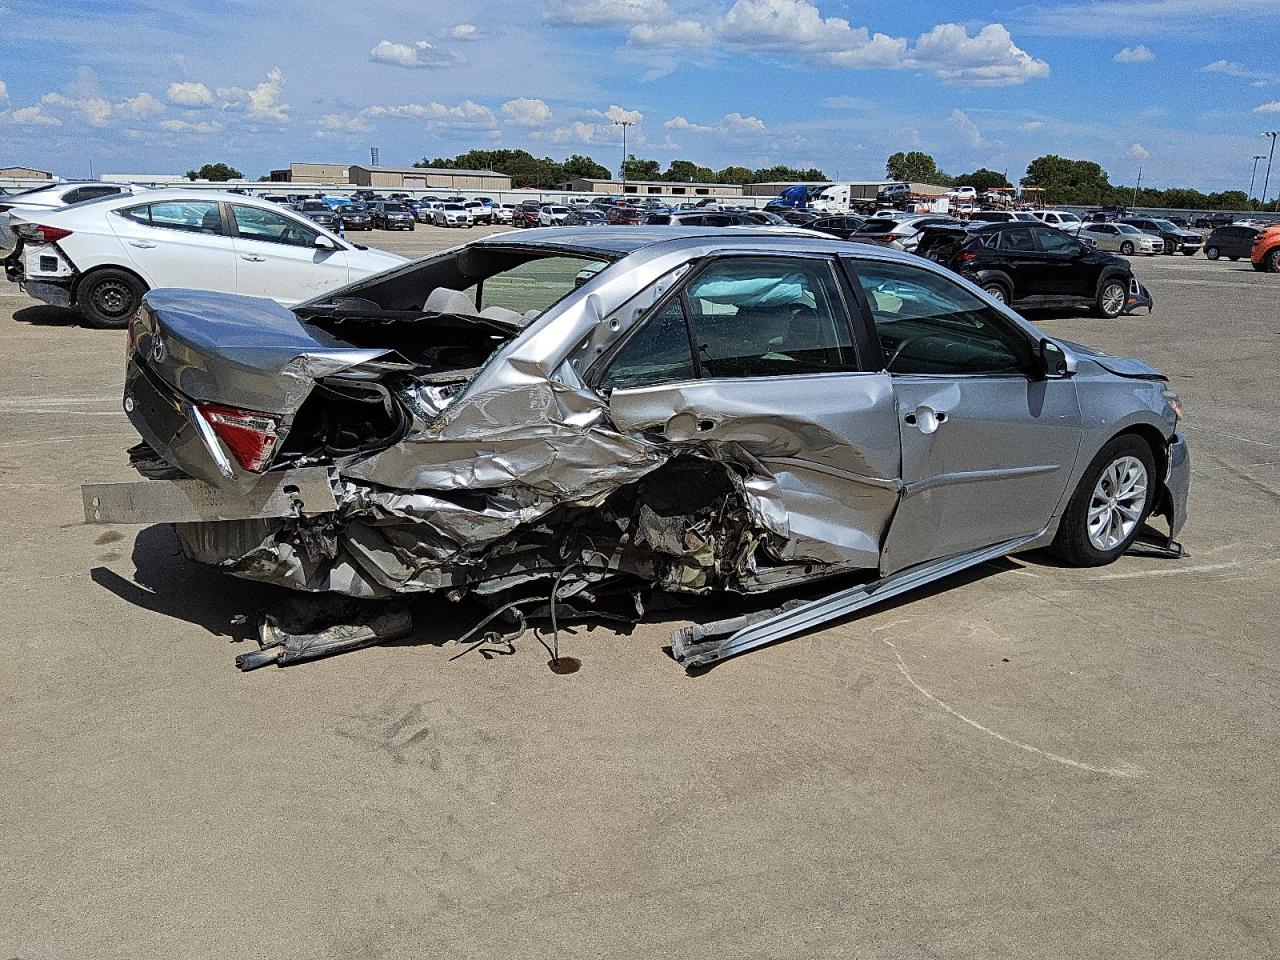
(1118, 501)
(1113, 298)
(995, 293)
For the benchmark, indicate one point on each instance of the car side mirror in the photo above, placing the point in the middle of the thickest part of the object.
(324, 243)
(1054, 362)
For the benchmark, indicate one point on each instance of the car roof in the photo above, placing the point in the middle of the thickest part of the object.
(619, 242)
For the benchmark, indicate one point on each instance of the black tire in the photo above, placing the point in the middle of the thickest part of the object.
(1127, 248)
(1072, 543)
(109, 298)
(411, 229)
(1107, 304)
(1213, 253)
(996, 291)
(1188, 253)
(1271, 260)
(1233, 259)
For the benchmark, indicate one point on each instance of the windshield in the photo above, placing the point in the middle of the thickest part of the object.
(1127, 228)
(315, 205)
(1166, 225)
(1068, 218)
(394, 208)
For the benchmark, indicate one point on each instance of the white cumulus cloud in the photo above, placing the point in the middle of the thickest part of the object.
(190, 95)
(990, 58)
(411, 55)
(33, 116)
(198, 128)
(606, 13)
(263, 102)
(466, 115)
(4, 91)
(619, 115)
(968, 129)
(1138, 54)
(1272, 107)
(1138, 152)
(526, 112)
(464, 31)
(143, 105)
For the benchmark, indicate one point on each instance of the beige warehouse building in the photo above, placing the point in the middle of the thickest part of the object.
(423, 178)
(24, 173)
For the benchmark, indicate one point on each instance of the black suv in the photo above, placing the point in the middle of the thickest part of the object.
(1175, 237)
(392, 215)
(1029, 265)
(1231, 241)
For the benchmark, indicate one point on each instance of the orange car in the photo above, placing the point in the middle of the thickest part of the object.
(1266, 250)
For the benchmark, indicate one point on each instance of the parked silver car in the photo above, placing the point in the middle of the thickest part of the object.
(548, 419)
(1121, 238)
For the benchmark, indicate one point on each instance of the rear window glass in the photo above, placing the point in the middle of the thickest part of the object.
(192, 216)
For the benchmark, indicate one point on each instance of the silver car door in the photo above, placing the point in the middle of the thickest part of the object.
(754, 364)
(987, 445)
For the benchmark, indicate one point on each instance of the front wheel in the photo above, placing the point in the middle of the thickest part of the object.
(1111, 298)
(1213, 253)
(1108, 508)
(108, 299)
(1127, 248)
(1271, 261)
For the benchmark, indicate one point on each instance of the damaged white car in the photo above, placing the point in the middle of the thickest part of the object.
(570, 418)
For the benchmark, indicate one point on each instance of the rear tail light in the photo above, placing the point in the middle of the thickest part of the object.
(250, 436)
(40, 233)
(968, 256)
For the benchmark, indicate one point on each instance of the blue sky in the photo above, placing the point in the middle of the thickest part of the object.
(1184, 87)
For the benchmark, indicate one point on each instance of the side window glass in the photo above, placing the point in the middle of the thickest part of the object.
(1018, 240)
(657, 353)
(928, 324)
(254, 223)
(189, 216)
(1055, 241)
(763, 317)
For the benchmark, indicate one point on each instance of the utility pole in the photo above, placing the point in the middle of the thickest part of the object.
(1270, 153)
(624, 124)
(1136, 186)
(1254, 176)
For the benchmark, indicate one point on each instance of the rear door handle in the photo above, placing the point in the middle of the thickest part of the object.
(252, 259)
(144, 244)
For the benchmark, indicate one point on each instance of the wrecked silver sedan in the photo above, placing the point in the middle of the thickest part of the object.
(569, 417)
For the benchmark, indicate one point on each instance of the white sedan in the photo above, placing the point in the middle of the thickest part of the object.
(552, 215)
(452, 215)
(16, 207)
(101, 256)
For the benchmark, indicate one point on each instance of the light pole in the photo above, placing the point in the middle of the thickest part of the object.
(1254, 176)
(624, 124)
(1266, 179)
(1137, 185)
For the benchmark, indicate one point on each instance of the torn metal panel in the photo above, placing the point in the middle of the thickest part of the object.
(695, 647)
(294, 493)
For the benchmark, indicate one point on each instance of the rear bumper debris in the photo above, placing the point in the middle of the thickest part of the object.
(291, 493)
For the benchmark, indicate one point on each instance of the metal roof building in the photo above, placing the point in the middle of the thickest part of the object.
(664, 188)
(420, 178)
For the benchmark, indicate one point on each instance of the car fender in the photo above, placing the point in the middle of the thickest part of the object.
(1000, 276)
(1113, 270)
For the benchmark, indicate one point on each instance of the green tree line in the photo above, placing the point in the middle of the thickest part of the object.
(1065, 181)
(526, 170)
